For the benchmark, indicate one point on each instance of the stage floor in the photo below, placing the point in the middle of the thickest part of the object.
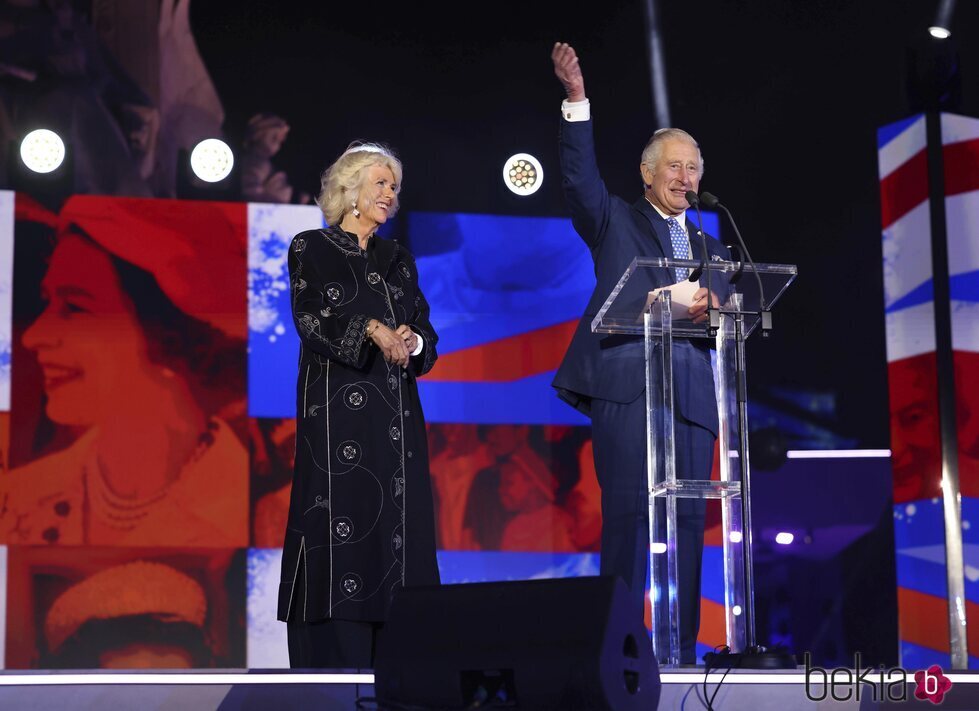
(283, 690)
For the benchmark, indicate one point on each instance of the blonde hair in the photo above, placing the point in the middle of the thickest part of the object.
(342, 182)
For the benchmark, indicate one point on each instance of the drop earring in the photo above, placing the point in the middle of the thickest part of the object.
(355, 210)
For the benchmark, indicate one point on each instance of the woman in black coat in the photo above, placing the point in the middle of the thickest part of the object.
(361, 523)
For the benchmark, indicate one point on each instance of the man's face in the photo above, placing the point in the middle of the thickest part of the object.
(677, 171)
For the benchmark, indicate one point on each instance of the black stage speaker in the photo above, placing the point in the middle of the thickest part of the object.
(568, 644)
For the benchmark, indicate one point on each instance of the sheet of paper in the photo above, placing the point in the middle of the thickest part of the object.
(681, 298)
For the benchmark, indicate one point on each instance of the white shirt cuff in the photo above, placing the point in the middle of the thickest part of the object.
(576, 110)
(421, 344)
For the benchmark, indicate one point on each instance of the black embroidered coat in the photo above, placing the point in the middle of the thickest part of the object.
(361, 522)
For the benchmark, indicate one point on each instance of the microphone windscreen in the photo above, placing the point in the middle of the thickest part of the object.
(708, 200)
(692, 198)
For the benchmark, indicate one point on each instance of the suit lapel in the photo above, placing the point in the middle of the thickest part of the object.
(660, 229)
(694, 232)
(695, 245)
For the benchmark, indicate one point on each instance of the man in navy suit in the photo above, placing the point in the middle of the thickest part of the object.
(604, 375)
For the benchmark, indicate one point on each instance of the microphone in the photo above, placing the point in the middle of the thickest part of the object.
(713, 315)
(694, 201)
(711, 202)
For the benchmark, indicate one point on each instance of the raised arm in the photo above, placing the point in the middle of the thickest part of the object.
(587, 196)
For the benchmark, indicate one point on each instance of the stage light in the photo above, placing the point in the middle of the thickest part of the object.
(657, 548)
(784, 538)
(212, 160)
(943, 20)
(523, 174)
(735, 537)
(42, 150)
(736, 610)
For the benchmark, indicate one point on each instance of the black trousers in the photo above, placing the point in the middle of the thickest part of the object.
(619, 441)
(329, 644)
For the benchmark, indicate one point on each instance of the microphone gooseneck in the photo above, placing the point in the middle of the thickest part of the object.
(713, 316)
(710, 201)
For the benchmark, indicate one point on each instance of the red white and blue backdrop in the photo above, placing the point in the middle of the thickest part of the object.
(128, 324)
(910, 309)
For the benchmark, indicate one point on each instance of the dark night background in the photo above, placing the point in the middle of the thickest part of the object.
(784, 98)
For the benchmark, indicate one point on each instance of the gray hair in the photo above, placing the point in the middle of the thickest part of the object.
(341, 183)
(654, 147)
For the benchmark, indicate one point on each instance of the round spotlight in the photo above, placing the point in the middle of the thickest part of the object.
(42, 150)
(657, 547)
(735, 537)
(939, 32)
(523, 174)
(212, 160)
(784, 538)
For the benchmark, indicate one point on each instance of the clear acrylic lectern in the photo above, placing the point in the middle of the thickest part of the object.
(637, 306)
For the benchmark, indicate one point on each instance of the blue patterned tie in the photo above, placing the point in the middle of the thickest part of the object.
(681, 246)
